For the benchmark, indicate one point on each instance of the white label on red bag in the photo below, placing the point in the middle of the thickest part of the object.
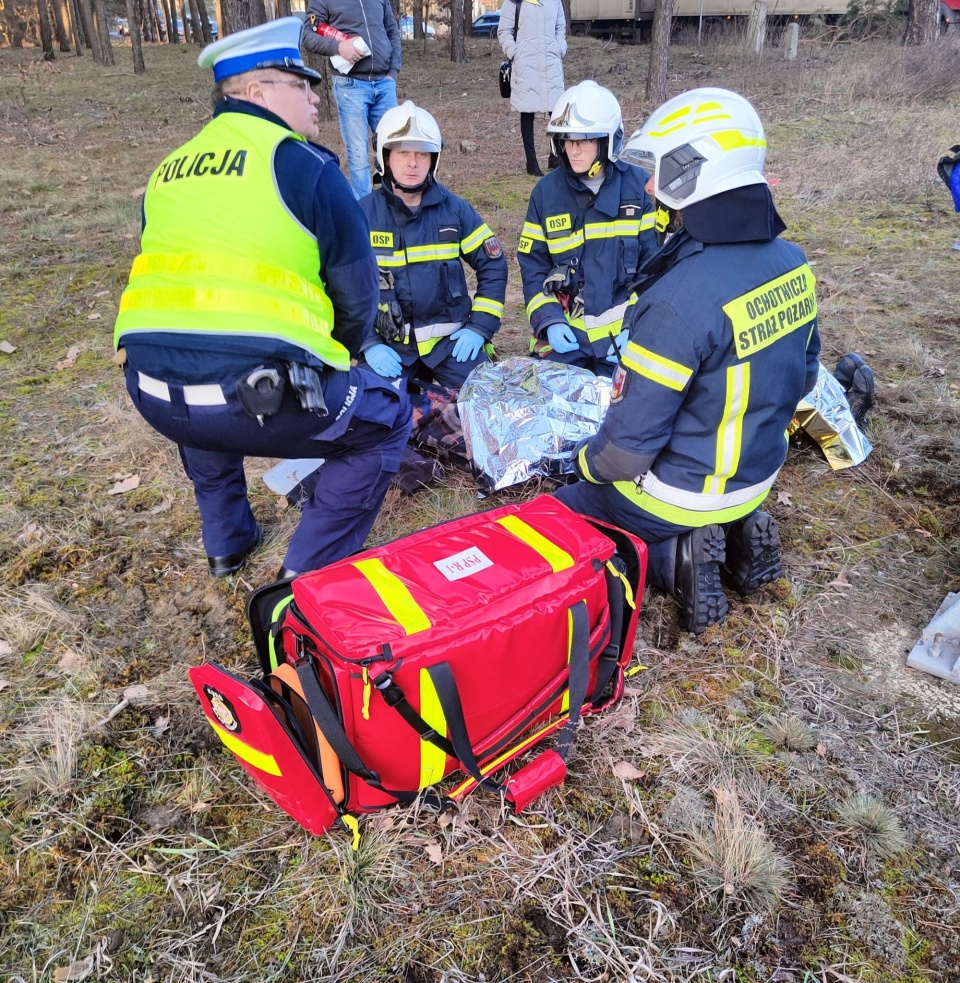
(463, 564)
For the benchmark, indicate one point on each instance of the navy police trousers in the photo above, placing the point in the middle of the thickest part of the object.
(360, 439)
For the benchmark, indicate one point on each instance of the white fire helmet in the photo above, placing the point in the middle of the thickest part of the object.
(408, 127)
(700, 144)
(587, 111)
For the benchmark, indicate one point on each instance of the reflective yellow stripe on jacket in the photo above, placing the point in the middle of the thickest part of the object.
(220, 252)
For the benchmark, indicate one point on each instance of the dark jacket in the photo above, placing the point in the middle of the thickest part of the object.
(423, 250)
(371, 20)
(610, 235)
(723, 345)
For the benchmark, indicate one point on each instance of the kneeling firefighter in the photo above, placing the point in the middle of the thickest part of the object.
(723, 345)
(428, 327)
(588, 229)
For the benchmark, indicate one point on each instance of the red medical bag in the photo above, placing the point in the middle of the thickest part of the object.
(455, 649)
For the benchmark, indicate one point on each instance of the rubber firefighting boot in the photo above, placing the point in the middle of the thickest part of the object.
(529, 145)
(688, 568)
(753, 553)
(856, 378)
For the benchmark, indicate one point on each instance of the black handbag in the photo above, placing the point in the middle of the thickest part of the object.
(506, 66)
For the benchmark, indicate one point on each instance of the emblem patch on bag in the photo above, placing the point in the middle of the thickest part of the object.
(222, 709)
(463, 564)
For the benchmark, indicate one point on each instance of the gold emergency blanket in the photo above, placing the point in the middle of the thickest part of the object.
(824, 415)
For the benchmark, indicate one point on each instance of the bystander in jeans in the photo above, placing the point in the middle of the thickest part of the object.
(365, 75)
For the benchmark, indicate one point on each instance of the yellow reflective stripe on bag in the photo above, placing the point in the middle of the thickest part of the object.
(433, 760)
(557, 558)
(262, 762)
(396, 598)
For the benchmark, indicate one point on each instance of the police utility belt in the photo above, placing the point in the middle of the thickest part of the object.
(260, 392)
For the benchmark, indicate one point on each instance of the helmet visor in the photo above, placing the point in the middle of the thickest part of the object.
(417, 146)
(639, 157)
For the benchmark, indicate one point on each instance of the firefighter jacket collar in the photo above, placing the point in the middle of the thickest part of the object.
(607, 200)
(432, 194)
(742, 215)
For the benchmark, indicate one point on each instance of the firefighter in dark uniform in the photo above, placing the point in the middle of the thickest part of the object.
(723, 345)
(428, 326)
(588, 229)
(254, 289)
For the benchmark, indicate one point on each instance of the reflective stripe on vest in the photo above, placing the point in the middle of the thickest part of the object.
(220, 252)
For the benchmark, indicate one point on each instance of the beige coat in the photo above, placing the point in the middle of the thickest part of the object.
(537, 54)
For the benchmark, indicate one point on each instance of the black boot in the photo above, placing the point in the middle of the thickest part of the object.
(689, 570)
(529, 146)
(753, 553)
(856, 378)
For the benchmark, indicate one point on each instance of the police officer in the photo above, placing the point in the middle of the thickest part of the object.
(589, 227)
(422, 233)
(254, 289)
(723, 344)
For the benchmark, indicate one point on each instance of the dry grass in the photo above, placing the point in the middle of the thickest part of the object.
(714, 825)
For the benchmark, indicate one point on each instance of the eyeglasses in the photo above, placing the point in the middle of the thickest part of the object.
(303, 84)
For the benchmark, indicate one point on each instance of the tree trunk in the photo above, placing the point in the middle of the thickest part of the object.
(185, 20)
(170, 16)
(136, 46)
(566, 13)
(79, 37)
(458, 44)
(321, 64)
(417, 14)
(13, 26)
(923, 25)
(656, 90)
(90, 35)
(757, 26)
(148, 20)
(204, 22)
(236, 16)
(283, 8)
(103, 34)
(61, 24)
(196, 28)
(258, 12)
(46, 31)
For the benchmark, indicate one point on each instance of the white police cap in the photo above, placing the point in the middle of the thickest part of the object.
(275, 44)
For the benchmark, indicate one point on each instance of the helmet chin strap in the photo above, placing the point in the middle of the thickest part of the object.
(409, 189)
(663, 222)
(595, 168)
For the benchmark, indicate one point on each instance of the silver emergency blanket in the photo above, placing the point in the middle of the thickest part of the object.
(523, 417)
(824, 414)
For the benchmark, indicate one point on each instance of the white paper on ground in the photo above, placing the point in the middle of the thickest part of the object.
(285, 476)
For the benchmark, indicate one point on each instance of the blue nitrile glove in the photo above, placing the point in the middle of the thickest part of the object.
(383, 360)
(468, 344)
(561, 338)
(621, 342)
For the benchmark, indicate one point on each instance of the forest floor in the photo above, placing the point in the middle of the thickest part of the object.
(775, 800)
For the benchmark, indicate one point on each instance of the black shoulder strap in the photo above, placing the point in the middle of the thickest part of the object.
(516, 19)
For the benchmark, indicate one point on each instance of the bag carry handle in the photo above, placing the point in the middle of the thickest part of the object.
(548, 769)
(332, 729)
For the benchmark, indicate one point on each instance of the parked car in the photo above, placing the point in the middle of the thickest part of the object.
(485, 26)
(406, 29)
(949, 16)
